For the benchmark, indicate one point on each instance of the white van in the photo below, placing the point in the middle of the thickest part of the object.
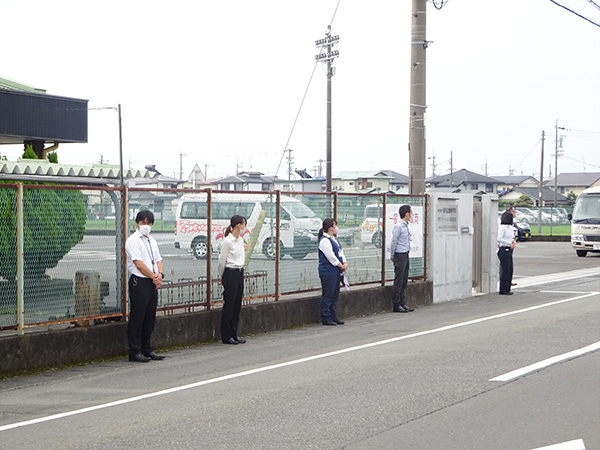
(370, 230)
(298, 231)
(585, 222)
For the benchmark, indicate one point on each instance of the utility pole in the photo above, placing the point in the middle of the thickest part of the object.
(289, 158)
(416, 136)
(485, 167)
(181, 155)
(541, 189)
(451, 171)
(556, 147)
(433, 165)
(328, 42)
(320, 166)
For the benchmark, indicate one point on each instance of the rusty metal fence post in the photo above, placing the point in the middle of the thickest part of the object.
(383, 237)
(122, 251)
(20, 264)
(278, 240)
(209, 211)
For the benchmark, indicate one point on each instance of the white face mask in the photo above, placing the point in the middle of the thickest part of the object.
(336, 230)
(145, 229)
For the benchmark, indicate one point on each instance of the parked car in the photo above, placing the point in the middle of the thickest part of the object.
(525, 217)
(523, 230)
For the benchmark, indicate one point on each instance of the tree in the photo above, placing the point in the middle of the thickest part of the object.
(571, 198)
(54, 221)
(523, 200)
(29, 153)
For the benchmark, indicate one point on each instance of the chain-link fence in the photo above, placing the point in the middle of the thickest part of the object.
(73, 261)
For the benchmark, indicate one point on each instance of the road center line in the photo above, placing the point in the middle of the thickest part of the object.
(285, 364)
(547, 362)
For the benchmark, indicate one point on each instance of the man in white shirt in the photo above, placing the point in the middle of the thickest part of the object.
(146, 268)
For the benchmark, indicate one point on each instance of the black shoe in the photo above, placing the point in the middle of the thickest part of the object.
(407, 309)
(240, 341)
(329, 322)
(506, 293)
(400, 310)
(138, 358)
(231, 341)
(153, 356)
(339, 322)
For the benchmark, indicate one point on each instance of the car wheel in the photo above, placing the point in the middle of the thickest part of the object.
(269, 249)
(376, 240)
(581, 253)
(199, 248)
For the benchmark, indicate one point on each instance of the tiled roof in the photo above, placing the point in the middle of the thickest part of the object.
(579, 179)
(459, 177)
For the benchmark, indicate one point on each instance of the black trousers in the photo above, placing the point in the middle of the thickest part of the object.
(143, 299)
(331, 292)
(233, 291)
(401, 268)
(505, 255)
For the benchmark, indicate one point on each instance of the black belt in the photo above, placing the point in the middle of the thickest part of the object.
(505, 247)
(402, 253)
(234, 268)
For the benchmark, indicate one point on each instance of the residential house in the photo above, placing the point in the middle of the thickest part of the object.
(466, 181)
(361, 181)
(512, 181)
(398, 183)
(533, 193)
(246, 181)
(575, 182)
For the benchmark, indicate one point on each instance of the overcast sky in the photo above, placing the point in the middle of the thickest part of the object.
(222, 82)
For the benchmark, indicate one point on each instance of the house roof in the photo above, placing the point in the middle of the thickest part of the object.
(576, 179)
(514, 179)
(243, 178)
(533, 192)
(460, 177)
(354, 175)
(397, 178)
(41, 170)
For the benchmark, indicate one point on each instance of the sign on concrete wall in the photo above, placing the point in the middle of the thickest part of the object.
(415, 226)
(447, 216)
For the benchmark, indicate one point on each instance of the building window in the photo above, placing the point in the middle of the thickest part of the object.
(474, 186)
(369, 184)
(239, 186)
(266, 186)
(489, 187)
(350, 183)
(225, 186)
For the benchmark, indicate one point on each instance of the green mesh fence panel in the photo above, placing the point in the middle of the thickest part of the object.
(8, 257)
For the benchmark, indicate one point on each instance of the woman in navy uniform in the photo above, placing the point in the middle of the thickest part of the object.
(332, 264)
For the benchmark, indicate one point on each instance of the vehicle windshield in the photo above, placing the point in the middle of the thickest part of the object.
(587, 209)
(299, 210)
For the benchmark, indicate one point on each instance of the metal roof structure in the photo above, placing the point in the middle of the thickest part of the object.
(43, 171)
(460, 177)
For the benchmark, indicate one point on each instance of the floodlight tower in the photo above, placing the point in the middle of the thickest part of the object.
(327, 43)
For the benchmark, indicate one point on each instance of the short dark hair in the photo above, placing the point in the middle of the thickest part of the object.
(404, 209)
(506, 218)
(145, 215)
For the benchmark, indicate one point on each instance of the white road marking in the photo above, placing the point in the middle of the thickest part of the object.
(571, 445)
(556, 277)
(547, 362)
(286, 364)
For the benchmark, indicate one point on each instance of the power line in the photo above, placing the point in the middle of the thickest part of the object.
(594, 3)
(303, 98)
(439, 4)
(576, 13)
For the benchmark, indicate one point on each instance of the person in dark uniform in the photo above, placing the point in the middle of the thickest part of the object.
(146, 268)
(506, 245)
(332, 264)
(399, 251)
(231, 270)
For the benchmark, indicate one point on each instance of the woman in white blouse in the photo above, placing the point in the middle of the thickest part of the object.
(506, 245)
(231, 270)
(332, 264)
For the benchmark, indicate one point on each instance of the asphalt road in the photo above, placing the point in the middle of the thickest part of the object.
(389, 381)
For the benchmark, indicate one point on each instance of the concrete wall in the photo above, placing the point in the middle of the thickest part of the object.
(489, 238)
(450, 245)
(39, 350)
